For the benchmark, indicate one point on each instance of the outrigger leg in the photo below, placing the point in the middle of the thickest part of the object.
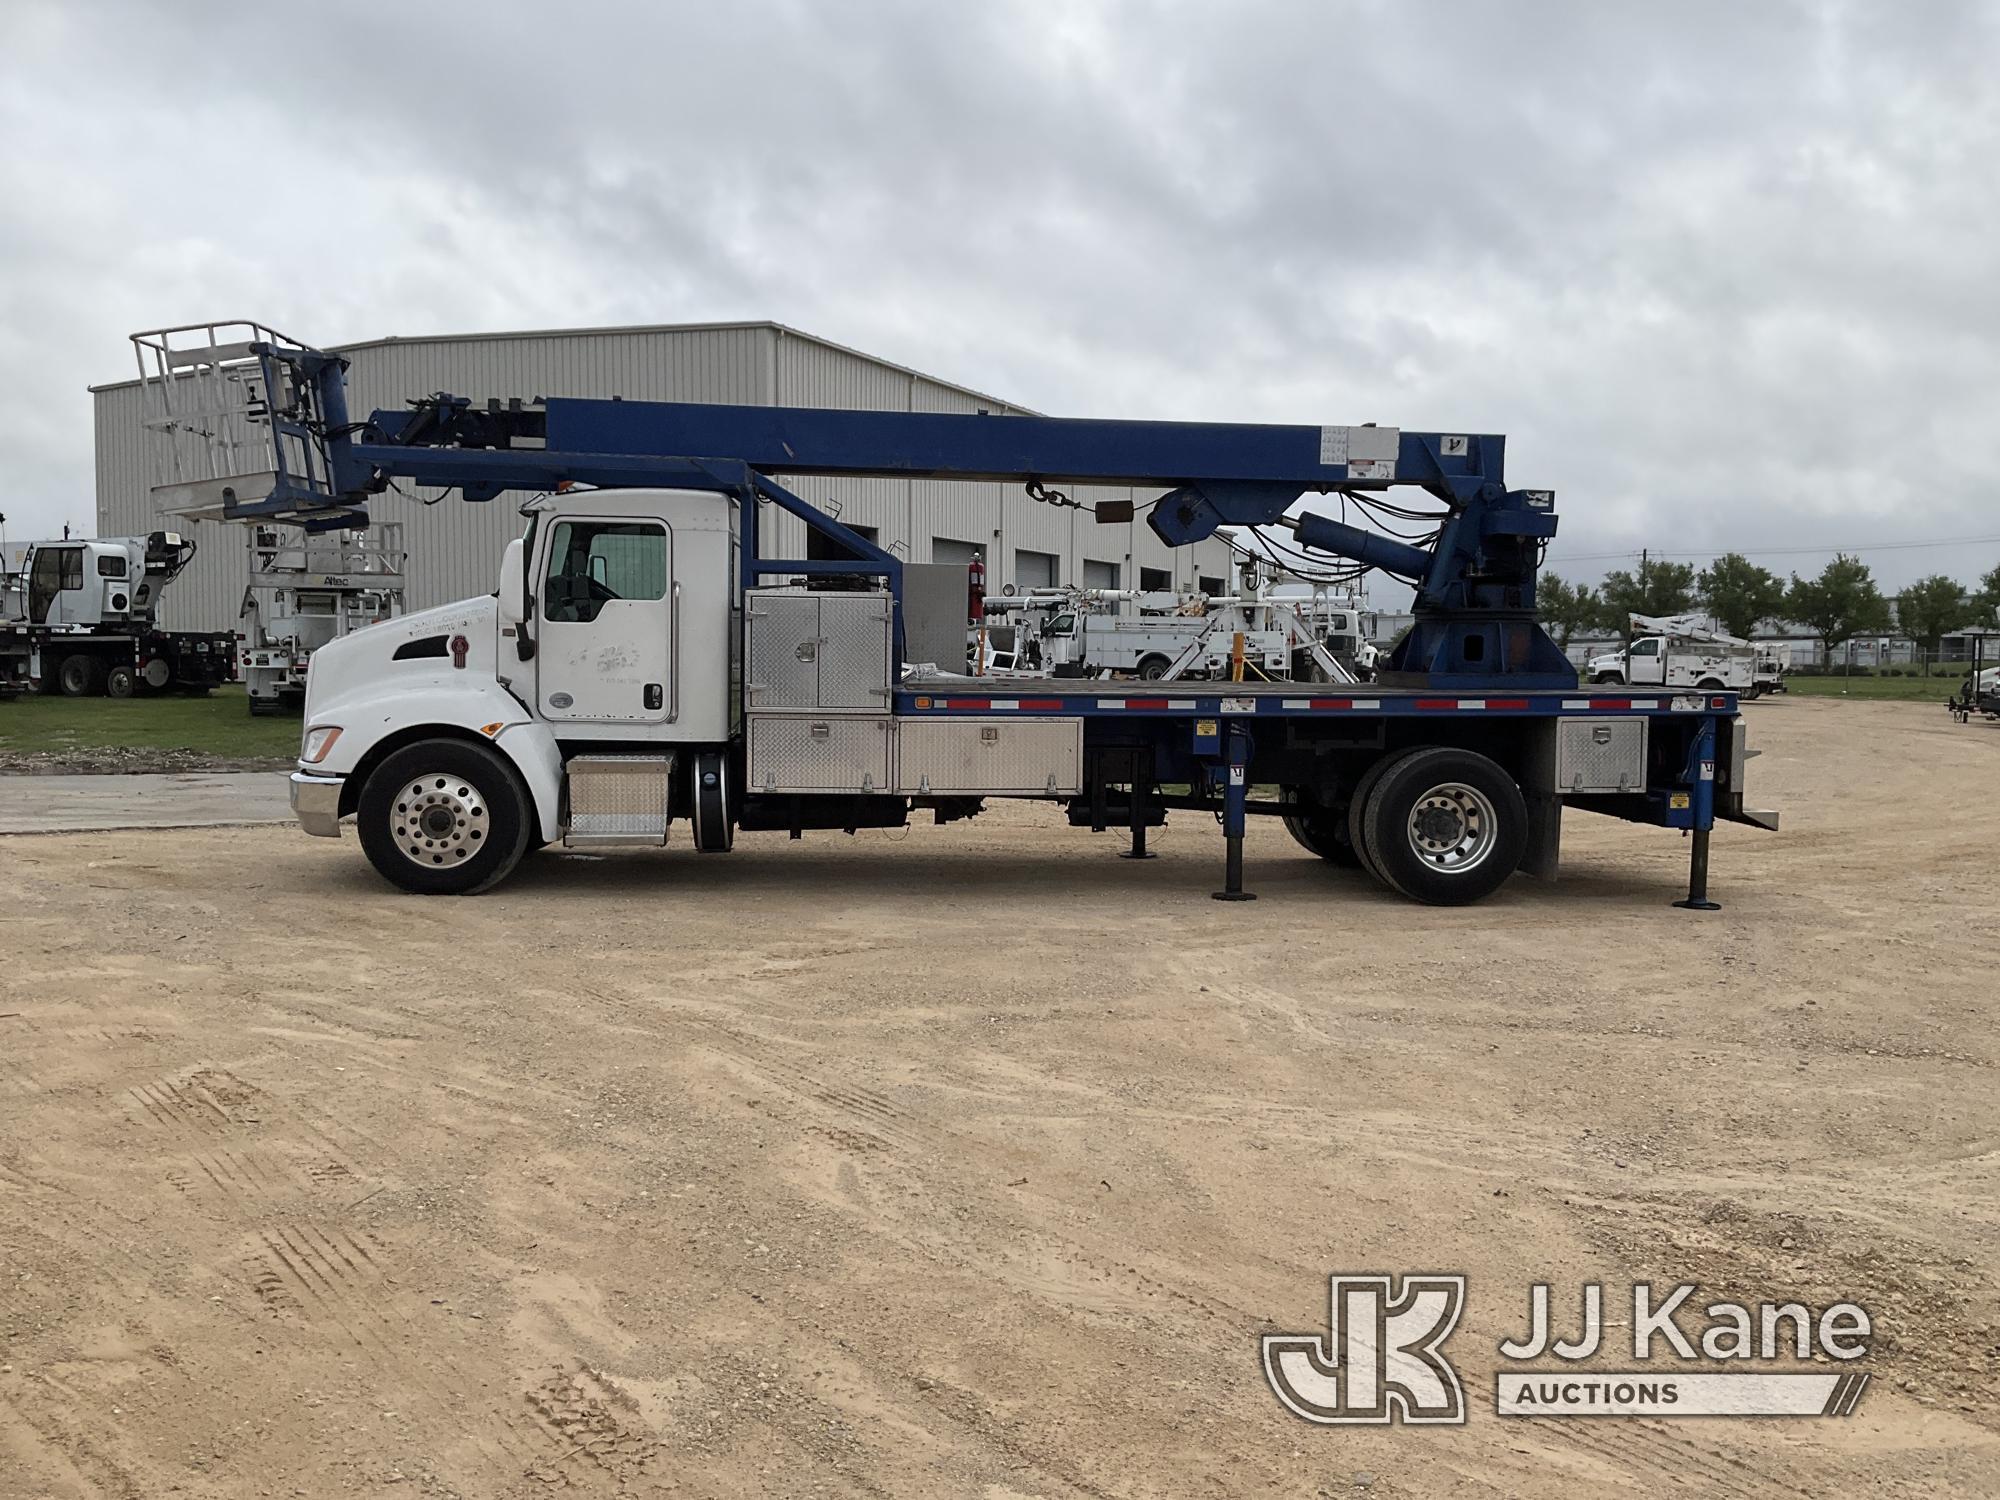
(1236, 792)
(1138, 812)
(1702, 802)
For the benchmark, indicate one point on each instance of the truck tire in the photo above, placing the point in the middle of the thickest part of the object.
(714, 811)
(121, 681)
(1608, 679)
(1445, 826)
(1709, 685)
(1320, 830)
(444, 818)
(77, 676)
(1357, 828)
(1153, 668)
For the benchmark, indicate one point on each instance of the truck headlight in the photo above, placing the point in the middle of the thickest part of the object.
(318, 742)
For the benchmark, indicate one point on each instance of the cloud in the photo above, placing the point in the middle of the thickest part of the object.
(1721, 272)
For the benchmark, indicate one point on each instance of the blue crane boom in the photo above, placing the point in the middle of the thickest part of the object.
(1474, 578)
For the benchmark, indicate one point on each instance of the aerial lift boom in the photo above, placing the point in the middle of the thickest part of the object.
(1474, 581)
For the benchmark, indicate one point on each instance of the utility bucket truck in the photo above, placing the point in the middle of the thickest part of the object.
(645, 664)
(1251, 636)
(1679, 652)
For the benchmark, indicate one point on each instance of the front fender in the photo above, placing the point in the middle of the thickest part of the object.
(449, 702)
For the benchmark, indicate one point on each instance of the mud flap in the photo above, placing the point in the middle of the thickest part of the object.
(1543, 850)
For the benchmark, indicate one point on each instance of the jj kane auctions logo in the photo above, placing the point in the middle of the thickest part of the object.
(1381, 1359)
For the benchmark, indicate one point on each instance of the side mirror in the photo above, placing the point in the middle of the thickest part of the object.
(513, 583)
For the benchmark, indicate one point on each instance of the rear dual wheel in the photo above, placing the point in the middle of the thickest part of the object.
(80, 676)
(1318, 829)
(1439, 825)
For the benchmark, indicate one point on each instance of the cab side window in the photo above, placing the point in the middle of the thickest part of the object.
(592, 563)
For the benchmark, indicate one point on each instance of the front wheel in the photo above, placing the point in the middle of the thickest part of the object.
(1446, 827)
(122, 681)
(444, 818)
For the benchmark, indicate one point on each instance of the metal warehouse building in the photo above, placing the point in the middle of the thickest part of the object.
(454, 547)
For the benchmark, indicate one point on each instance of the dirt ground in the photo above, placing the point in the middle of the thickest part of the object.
(977, 1166)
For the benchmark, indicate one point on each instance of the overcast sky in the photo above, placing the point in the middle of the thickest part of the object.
(1727, 275)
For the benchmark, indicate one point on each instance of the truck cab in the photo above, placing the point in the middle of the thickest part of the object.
(88, 583)
(1643, 663)
(614, 630)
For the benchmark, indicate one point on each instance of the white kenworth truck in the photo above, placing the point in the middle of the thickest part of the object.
(646, 660)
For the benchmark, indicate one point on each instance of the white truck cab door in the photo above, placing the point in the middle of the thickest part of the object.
(605, 650)
(1648, 662)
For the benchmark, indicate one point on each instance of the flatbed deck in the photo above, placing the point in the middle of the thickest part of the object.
(1069, 695)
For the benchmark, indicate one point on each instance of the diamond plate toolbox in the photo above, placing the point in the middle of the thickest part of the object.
(1600, 755)
(820, 753)
(824, 651)
(989, 755)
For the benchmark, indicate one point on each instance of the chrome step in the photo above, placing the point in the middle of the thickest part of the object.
(618, 799)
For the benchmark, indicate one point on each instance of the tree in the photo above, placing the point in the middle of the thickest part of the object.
(1840, 604)
(1567, 607)
(1740, 594)
(1655, 587)
(1988, 598)
(1930, 609)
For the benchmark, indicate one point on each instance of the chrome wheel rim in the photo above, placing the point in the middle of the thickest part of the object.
(438, 820)
(1452, 827)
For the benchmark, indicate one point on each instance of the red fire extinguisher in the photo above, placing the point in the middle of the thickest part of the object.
(975, 576)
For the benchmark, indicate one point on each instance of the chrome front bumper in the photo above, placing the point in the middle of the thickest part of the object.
(316, 803)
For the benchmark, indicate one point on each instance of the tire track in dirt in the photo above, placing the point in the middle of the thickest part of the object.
(1656, 1458)
(103, 1474)
(595, 1422)
(321, 1281)
(877, 1124)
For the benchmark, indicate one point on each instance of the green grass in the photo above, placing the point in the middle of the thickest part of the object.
(218, 725)
(1891, 689)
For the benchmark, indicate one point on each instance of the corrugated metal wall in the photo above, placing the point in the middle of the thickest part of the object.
(455, 547)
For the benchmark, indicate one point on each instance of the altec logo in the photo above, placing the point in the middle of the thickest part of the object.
(1382, 1357)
